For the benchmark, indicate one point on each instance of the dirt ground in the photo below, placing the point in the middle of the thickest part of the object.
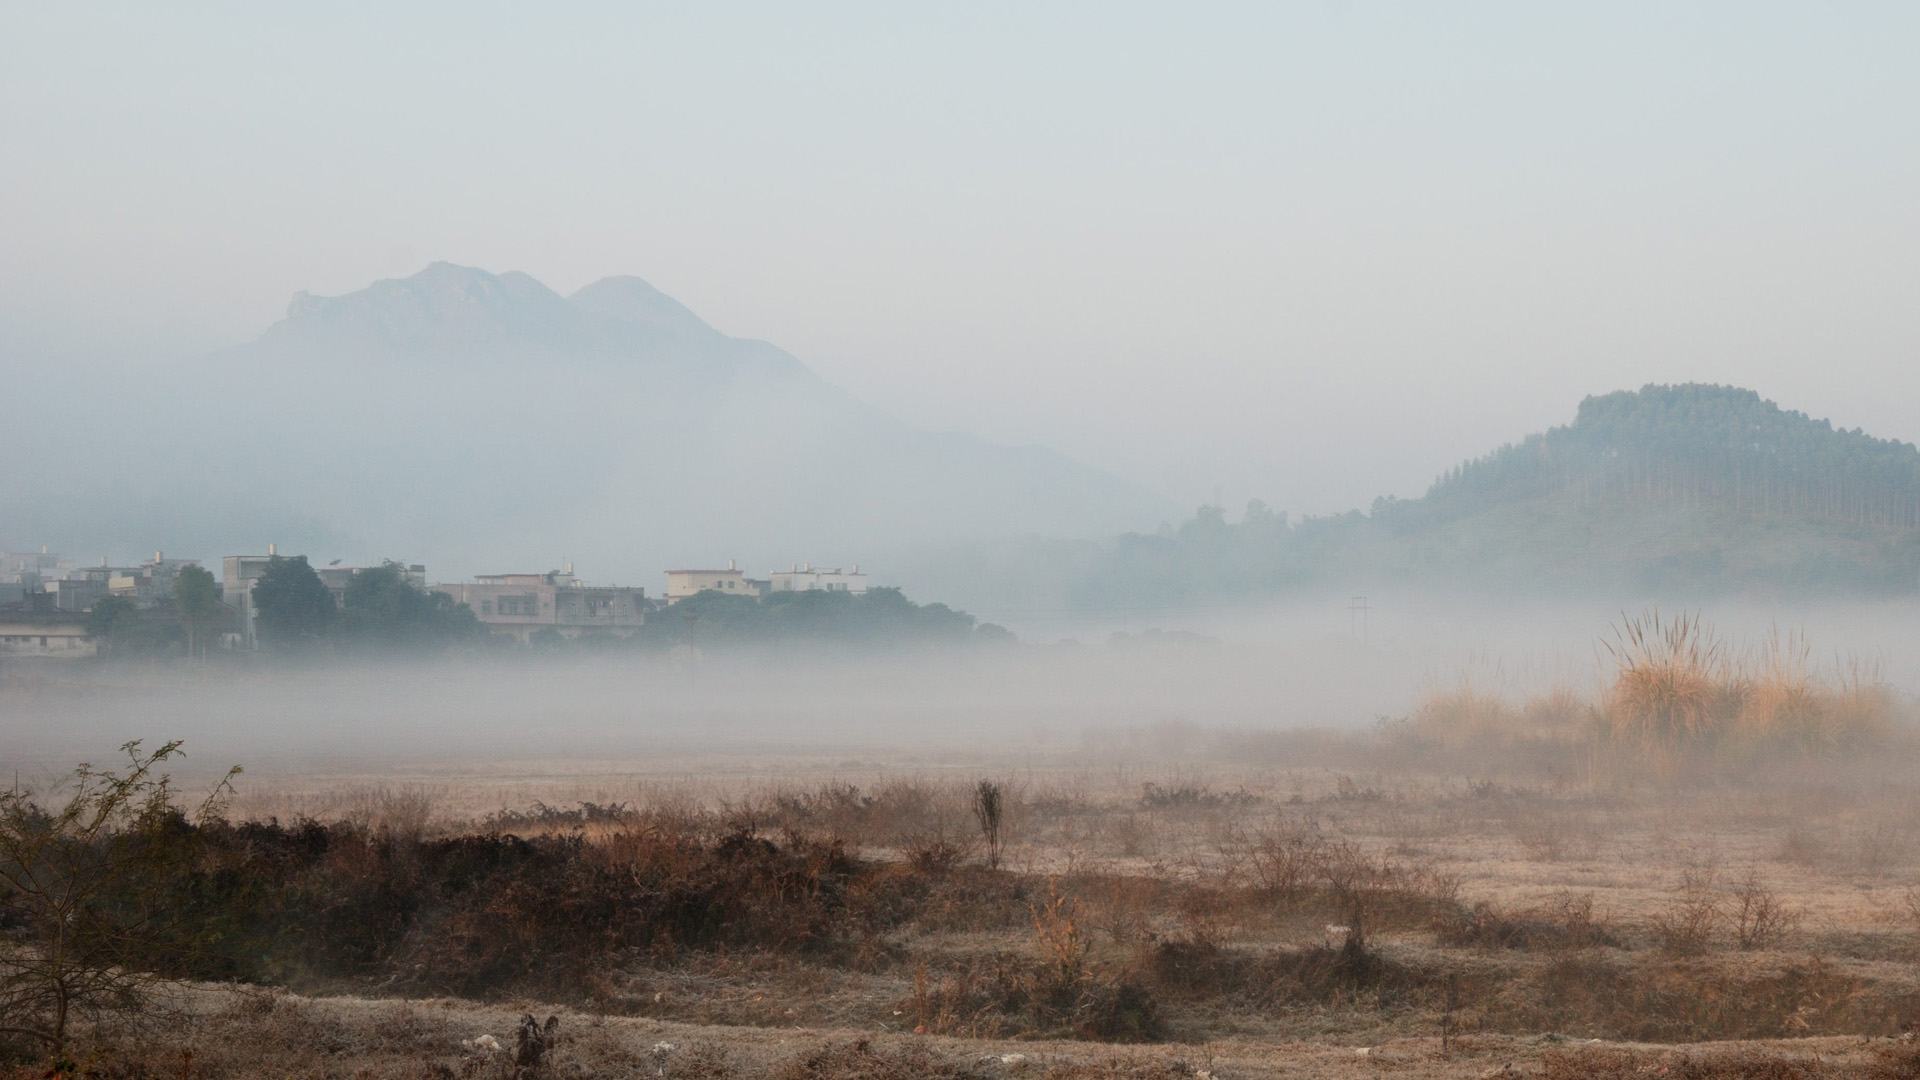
(259, 1033)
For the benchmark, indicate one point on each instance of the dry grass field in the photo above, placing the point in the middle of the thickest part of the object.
(1712, 871)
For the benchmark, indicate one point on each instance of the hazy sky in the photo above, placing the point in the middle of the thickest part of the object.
(1310, 253)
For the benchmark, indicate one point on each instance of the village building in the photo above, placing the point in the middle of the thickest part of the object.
(238, 573)
(805, 577)
(522, 605)
(45, 634)
(151, 584)
(79, 590)
(16, 565)
(729, 582)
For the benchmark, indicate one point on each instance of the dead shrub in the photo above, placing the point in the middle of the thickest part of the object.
(891, 814)
(1120, 906)
(1192, 795)
(1882, 846)
(1134, 835)
(1285, 865)
(1565, 923)
(1760, 920)
(1802, 847)
(1657, 998)
(1320, 975)
(1062, 992)
(1691, 919)
(532, 1040)
(541, 818)
(934, 854)
(1548, 832)
(1056, 990)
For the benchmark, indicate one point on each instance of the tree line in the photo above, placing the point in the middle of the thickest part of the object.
(381, 609)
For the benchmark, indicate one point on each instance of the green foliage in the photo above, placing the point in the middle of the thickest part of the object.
(108, 616)
(880, 616)
(196, 593)
(122, 630)
(196, 596)
(292, 606)
(385, 609)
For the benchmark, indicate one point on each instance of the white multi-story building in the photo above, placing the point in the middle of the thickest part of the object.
(806, 577)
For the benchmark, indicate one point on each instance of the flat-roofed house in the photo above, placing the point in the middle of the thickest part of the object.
(151, 584)
(806, 577)
(47, 634)
(729, 582)
(237, 576)
(522, 605)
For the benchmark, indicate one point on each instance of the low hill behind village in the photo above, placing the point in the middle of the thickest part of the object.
(1685, 492)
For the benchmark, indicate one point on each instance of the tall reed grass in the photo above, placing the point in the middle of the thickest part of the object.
(1675, 694)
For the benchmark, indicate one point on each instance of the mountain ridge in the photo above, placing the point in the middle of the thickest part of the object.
(483, 420)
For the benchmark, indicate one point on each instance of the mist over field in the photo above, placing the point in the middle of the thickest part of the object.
(1072, 542)
(1149, 693)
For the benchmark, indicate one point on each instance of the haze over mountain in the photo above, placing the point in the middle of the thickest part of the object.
(483, 422)
(1687, 492)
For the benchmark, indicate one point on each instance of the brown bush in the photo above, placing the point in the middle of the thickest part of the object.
(1691, 919)
(1565, 923)
(1759, 918)
(1663, 1000)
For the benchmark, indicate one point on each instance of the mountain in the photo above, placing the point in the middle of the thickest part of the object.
(1672, 492)
(483, 422)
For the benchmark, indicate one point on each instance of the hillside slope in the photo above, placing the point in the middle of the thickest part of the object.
(1681, 492)
(483, 422)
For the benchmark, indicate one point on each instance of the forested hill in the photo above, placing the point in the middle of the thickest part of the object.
(1678, 492)
(1696, 446)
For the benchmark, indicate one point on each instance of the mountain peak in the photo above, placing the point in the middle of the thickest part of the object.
(633, 300)
(451, 310)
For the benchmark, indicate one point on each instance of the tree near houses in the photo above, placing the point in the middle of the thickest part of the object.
(197, 598)
(107, 619)
(383, 607)
(291, 605)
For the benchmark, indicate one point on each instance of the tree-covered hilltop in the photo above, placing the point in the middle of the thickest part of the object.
(1688, 490)
(1694, 446)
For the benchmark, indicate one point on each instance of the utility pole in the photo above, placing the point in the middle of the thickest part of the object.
(1357, 617)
